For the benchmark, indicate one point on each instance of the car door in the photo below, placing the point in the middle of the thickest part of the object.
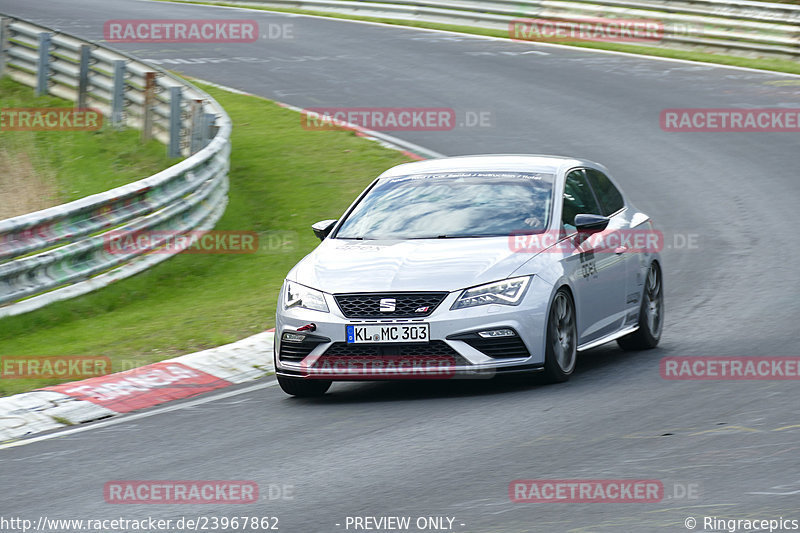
(612, 205)
(597, 274)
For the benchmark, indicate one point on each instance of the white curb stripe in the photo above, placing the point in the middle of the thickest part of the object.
(43, 410)
(145, 414)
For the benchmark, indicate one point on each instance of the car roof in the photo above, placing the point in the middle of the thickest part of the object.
(491, 162)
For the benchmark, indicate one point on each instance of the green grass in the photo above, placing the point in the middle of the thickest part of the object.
(283, 178)
(778, 65)
(62, 420)
(78, 163)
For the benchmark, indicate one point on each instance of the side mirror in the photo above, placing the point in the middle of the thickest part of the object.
(323, 228)
(591, 223)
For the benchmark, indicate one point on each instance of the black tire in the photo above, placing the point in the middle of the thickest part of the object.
(304, 388)
(561, 352)
(651, 314)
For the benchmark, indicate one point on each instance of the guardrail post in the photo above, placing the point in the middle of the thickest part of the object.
(175, 121)
(43, 66)
(4, 36)
(196, 143)
(147, 106)
(208, 123)
(83, 75)
(118, 94)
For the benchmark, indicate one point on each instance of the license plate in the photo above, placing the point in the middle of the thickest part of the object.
(388, 333)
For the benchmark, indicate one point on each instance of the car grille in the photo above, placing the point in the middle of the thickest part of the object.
(407, 304)
(430, 349)
(500, 347)
(433, 348)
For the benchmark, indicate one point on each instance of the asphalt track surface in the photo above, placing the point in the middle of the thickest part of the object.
(451, 449)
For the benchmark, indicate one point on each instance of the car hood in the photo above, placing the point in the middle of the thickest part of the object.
(339, 265)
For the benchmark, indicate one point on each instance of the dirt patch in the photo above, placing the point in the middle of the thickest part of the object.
(23, 189)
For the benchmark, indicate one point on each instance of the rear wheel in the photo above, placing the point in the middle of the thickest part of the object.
(304, 388)
(561, 351)
(651, 314)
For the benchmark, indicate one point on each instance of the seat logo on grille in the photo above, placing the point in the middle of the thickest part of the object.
(388, 305)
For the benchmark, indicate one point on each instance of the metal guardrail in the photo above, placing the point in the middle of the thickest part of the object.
(62, 252)
(735, 27)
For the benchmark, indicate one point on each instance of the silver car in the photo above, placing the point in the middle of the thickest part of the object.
(471, 266)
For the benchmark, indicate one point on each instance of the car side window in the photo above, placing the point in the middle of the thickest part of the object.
(609, 196)
(578, 199)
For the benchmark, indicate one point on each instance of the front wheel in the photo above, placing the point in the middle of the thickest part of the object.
(651, 315)
(561, 352)
(304, 388)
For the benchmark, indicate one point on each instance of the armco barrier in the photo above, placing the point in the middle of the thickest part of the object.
(59, 253)
(734, 27)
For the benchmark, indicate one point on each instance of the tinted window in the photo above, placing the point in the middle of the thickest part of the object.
(578, 199)
(456, 204)
(610, 198)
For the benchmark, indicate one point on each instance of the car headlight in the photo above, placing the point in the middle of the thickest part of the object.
(506, 292)
(296, 295)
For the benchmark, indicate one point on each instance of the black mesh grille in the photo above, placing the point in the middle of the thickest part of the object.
(407, 304)
(431, 349)
(499, 347)
(440, 354)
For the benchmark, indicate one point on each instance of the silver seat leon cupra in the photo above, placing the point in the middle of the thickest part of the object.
(471, 266)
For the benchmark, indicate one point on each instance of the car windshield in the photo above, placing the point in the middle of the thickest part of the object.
(452, 205)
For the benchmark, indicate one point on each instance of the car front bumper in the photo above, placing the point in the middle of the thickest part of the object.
(454, 349)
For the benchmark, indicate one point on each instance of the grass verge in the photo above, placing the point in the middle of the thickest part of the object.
(61, 166)
(778, 65)
(283, 178)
